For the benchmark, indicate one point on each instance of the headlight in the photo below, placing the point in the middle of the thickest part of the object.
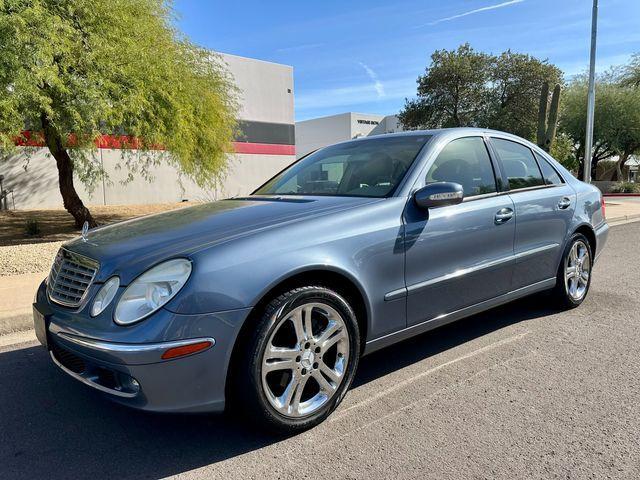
(152, 290)
(105, 295)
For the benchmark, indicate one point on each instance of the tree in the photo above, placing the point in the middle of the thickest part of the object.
(516, 81)
(73, 70)
(467, 88)
(452, 92)
(616, 120)
(631, 73)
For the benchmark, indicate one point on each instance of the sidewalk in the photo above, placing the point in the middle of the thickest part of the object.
(17, 291)
(16, 296)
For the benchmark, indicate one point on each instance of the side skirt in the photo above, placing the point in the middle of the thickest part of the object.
(391, 338)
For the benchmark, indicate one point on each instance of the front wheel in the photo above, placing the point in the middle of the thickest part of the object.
(300, 359)
(574, 273)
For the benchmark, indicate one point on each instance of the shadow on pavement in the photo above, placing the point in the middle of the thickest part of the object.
(53, 427)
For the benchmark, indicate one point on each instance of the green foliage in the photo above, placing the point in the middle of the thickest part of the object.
(562, 150)
(452, 92)
(91, 67)
(616, 119)
(32, 228)
(467, 88)
(515, 86)
(626, 187)
(630, 75)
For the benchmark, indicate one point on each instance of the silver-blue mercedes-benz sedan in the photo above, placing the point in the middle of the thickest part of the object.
(265, 303)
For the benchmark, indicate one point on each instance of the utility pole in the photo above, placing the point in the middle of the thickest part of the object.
(591, 102)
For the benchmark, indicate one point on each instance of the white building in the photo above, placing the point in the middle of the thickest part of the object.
(266, 147)
(320, 132)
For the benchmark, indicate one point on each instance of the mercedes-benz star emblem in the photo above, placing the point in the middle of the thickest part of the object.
(85, 230)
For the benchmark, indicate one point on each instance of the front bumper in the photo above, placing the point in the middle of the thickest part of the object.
(133, 372)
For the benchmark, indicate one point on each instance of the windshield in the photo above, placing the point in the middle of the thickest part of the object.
(365, 168)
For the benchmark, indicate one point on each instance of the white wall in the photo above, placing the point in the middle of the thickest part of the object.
(37, 185)
(266, 89)
(320, 132)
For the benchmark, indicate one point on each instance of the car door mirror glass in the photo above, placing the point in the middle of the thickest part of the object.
(438, 194)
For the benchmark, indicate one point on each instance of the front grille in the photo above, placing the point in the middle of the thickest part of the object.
(68, 359)
(70, 278)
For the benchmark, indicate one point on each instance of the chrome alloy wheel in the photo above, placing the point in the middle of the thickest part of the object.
(577, 270)
(305, 359)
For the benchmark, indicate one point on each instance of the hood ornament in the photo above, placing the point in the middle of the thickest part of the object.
(85, 230)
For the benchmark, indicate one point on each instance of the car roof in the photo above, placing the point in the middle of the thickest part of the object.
(453, 131)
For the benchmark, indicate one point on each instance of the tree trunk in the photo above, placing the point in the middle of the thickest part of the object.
(70, 198)
(619, 165)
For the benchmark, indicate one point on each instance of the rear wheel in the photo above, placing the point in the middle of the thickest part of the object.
(300, 359)
(574, 273)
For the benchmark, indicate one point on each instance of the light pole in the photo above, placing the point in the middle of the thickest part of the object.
(591, 102)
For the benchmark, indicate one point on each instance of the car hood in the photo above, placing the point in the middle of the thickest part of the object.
(130, 247)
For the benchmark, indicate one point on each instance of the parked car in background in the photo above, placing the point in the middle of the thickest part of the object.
(267, 302)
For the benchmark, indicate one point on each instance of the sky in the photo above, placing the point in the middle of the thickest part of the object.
(365, 56)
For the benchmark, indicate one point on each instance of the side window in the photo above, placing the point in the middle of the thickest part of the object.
(465, 161)
(519, 165)
(551, 177)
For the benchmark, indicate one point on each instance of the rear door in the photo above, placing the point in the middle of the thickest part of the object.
(459, 255)
(544, 206)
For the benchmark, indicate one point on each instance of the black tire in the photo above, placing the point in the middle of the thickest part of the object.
(560, 293)
(249, 393)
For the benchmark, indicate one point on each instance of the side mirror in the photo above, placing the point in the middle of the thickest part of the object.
(439, 194)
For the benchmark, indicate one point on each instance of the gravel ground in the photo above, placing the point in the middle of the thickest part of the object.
(521, 391)
(30, 258)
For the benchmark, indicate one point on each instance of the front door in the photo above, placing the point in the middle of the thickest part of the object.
(459, 255)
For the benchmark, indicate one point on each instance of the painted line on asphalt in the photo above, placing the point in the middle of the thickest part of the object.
(409, 381)
(421, 400)
(17, 337)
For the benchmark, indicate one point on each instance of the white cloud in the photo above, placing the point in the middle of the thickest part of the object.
(472, 12)
(377, 84)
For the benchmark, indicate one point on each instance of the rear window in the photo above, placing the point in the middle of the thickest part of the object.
(551, 176)
(520, 167)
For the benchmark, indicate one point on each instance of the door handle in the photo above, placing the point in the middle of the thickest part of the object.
(503, 215)
(564, 203)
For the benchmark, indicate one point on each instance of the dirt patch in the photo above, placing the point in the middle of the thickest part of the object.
(56, 225)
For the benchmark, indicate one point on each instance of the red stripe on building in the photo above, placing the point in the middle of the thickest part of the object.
(34, 139)
(264, 148)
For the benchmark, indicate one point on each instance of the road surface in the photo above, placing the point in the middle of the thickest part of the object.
(522, 391)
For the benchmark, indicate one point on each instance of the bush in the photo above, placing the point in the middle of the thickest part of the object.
(32, 228)
(626, 187)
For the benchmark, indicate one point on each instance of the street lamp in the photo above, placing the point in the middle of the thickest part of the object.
(591, 102)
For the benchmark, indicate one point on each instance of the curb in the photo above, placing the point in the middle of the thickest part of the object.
(621, 195)
(16, 322)
(17, 338)
(613, 222)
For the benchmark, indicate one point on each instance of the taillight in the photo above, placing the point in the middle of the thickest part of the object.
(602, 206)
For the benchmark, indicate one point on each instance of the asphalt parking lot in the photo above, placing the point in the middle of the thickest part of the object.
(521, 391)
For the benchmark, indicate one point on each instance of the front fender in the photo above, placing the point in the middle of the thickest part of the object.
(364, 245)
